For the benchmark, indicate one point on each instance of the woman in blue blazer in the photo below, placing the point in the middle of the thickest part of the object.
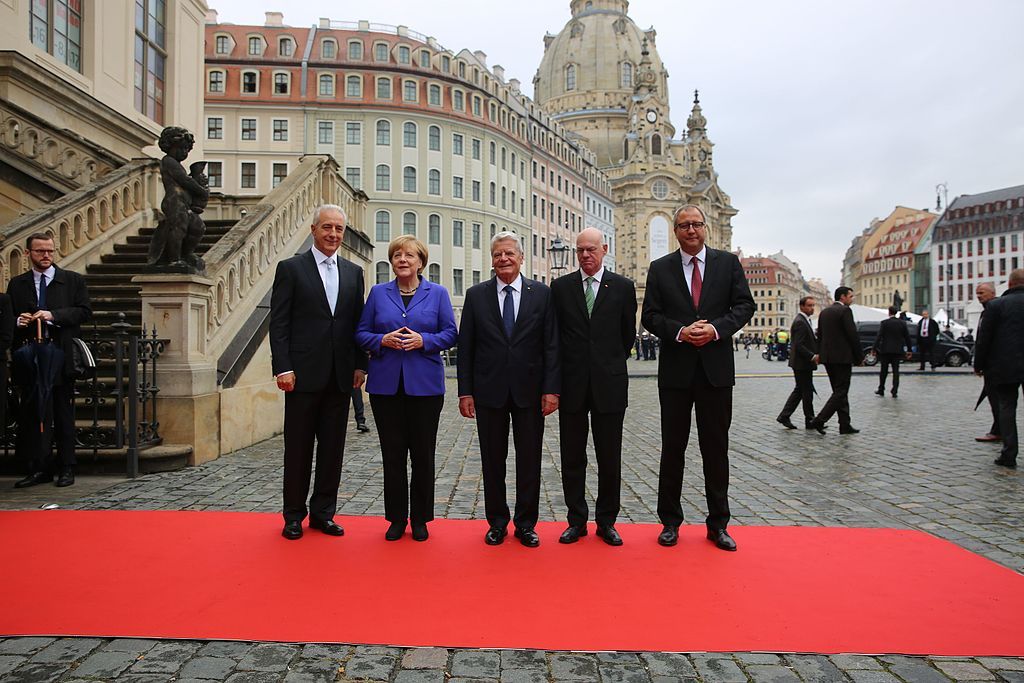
(405, 326)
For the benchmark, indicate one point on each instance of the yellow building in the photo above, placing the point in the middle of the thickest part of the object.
(887, 258)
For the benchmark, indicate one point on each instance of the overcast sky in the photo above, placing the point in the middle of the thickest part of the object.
(824, 114)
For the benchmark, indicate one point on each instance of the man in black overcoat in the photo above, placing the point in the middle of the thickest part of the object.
(839, 350)
(892, 344)
(803, 359)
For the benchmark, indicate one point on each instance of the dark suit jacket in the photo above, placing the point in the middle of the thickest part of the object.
(999, 351)
(725, 302)
(803, 345)
(893, 337)
(933, 331)
(67, 298)
(594, 348)
(304, 337)
(838, 342)
(492, 366)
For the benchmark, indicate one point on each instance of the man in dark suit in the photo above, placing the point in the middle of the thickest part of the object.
(927, 335)
(803, 359)
(892, 344)
(985, 292)
(839, 350)
(508, 370)
(998, 357)
(6, 337)
(314, 309)
(696, 299)
(59, 299)
(596, 312)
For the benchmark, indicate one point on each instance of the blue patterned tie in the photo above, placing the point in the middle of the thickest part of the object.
(42, 292)
(508, 310)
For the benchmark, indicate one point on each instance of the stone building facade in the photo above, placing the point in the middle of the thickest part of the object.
(777, 286)
(888, 257)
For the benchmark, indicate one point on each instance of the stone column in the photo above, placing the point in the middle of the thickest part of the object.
(188, 405)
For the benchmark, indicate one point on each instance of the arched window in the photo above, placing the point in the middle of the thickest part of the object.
(383, 272)
(504, 158)
(281, 84)
(409, 179)
(656, 144)
(326, 85)
(434, 273)
(627, 75)
(383, 132)
(328, 49)
(353, 86)
(409, 90)
(255, 45)
(383, 178)
(434, 232)
(355, 50)
(570, 77)
(409, 223)
(383, 224)
(285, 47)
(434, 182)
(216, 81)
(434, 138)
(383, 88)
(409, 134)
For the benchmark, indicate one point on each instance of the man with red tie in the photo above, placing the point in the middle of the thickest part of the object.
(697, 298)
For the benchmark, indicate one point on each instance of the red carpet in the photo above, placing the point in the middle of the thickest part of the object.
(208, 575)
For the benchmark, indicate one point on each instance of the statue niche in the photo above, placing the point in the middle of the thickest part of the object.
(174, 242)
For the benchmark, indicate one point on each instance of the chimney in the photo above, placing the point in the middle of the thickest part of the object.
(499, 73)
(481, 55)
(274, 19)
(211, 16)
(515, 85)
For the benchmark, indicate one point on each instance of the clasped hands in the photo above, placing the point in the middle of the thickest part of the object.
(698, 333)
(25, 319)
(402, 339)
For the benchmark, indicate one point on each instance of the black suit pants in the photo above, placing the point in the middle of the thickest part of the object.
(1007, 394)
(407, 428)
(308, 416)
(926, 350)
(572, 432)
(35, 446)
(803, 393)
(527, 434)
(713, 407)
(885, 360)
(993, 404)
(839, 375)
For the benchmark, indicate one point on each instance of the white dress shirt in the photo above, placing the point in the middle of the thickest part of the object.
(687, 259)
(595, 286)
(321, 259)
(517, 293)
(49, 273)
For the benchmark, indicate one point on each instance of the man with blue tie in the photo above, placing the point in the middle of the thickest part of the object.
(314, 310)
(508, 370)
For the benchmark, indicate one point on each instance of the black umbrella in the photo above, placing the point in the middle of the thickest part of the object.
(36, 367)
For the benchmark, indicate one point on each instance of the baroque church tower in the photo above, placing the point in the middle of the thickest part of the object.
(601, 78)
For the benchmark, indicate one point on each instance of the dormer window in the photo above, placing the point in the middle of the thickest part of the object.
(404, 54)
(285, 47)
(328, 49)
(425, 59)
(255, 45)
(355, 50)
(222, 45)
(380, 52)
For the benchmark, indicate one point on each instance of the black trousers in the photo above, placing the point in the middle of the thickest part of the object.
(407, 429)
(993, 404)
(308, 416)
(885, 360)
(926, 349)
(1007, 394)
(803, 393)
(36, 447)
(527, 434)
(358, 410)
(573, 428)
(713, 406)
(839, 376)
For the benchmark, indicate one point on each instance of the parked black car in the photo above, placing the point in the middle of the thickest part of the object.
(947, 351)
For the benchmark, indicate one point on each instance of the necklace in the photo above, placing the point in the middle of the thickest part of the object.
(409, 291)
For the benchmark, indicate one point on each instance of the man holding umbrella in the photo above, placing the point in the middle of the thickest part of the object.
(53, 303)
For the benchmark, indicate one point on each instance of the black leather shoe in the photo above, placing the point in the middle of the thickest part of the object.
(816, 426)
(722, 539)
(609, 534)
(669, 535)
(894, 393)
(495, 535)
(419, 532)
(361, 426)
(528, 537)
(1004, 462)
(848, 430)
(33, 479)
(395, 531)
(880, 392)
(328, 527)
(573, 533)
(785, 422)
(292, 531)
(66, 478)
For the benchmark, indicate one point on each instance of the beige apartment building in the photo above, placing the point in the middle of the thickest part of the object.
(887, 258)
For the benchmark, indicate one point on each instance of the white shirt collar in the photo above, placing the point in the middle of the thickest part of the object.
(49, 273)
(321, 256)
(517, 284)
(597, 276)
(701, 255)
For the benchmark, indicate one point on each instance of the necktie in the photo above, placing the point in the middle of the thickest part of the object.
(924, 328)
(588, 294)
(331, 284)
(42, 292)
(508, 310)
(695, 282)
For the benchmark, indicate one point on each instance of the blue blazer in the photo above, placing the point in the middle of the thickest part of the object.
(430, 314)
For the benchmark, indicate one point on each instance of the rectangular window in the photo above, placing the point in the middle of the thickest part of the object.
(280, 172)
(383, 88)
(255, 46)
(325, 132)
(215, 173)
(249, 174)
(477, 103)
(458, 102)
(248, 129)
(457, 228)
(353, 133)
(476, 277)
(280, 130)
(457, 187)
(425, 59)
(326, 85)
(404, 55)
(476, 235)
(476, 149)
(353, 176)
(216, 81)
(457, 148)
(434, 95)
(215, 128)
(409, 91)
(221, 45)
(476, 190)
(353, 87)
(249, 82)
(56, 27)
(457, 285)
(150, 50)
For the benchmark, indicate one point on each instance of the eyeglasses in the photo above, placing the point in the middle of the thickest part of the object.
(42, 251)
(695, 225)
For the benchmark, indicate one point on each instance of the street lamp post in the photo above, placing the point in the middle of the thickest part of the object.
(558, 251)
(944, 204)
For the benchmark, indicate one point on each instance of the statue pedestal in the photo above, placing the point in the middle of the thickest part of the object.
(188, 404)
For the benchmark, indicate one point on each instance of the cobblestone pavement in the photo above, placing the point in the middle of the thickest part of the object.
(915, 465)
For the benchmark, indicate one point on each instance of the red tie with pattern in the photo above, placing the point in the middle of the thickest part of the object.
(695, 283)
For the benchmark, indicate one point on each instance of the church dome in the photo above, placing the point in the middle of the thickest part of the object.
(589, 69)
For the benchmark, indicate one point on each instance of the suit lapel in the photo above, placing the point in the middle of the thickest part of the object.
(491, 304)
(603, 291)
(526, 302)
(421, 294)
(577, 297)
(679, 275)
(315, 282)
(391, 290)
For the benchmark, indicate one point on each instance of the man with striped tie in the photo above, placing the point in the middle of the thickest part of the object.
(596, 312)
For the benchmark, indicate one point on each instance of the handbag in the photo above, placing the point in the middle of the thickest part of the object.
(83, 364)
